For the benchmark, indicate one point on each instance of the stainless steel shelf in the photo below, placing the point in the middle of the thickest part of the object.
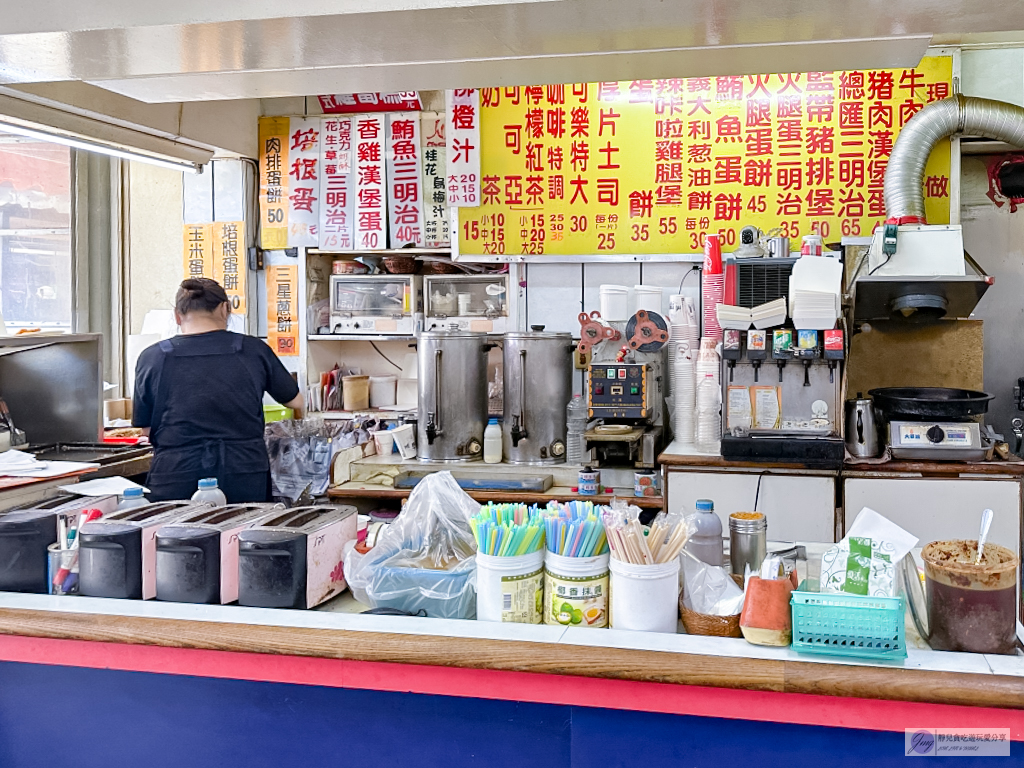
(355, 337)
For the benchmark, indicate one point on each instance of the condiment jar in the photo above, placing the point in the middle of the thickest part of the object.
(706, 541)
(748, 541)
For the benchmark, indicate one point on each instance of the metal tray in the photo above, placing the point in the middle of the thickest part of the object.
(92, 453)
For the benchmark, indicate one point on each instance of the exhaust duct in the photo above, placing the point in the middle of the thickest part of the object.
(904, 175)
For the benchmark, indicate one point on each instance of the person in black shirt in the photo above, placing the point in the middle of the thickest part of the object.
(199, 397)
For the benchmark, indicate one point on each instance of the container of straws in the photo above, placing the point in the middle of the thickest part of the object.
(575, 565)
(509, 563)
(644, 568)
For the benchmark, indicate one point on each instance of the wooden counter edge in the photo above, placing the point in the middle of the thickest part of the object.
(521, 656)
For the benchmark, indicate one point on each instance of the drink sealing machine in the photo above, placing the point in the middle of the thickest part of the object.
(625, 389)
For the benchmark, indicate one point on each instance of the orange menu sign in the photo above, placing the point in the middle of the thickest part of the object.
(283, 310)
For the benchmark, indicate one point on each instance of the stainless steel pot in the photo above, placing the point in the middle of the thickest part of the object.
(861, 428)
(537, 378)
(452, 395)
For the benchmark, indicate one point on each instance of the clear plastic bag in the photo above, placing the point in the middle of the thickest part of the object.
(426, 559)
(709, 589)
(300, 458)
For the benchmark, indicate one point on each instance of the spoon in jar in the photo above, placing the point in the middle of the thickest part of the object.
(986, 523)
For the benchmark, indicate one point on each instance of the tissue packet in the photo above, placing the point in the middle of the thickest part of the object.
(859, 566)
(864, 563)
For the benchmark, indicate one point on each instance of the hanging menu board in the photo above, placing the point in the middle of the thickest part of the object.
(652, 166)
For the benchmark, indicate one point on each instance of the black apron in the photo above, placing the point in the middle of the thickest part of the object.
(241, 466)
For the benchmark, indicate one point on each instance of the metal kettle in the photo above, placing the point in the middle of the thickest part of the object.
(861, 428)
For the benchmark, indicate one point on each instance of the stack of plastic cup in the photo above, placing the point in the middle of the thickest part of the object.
(712, 286)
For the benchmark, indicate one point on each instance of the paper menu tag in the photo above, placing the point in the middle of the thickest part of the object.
(767, 407)
(739, 413)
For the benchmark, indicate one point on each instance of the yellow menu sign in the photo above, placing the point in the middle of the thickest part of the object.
(229, 261)
(273, 137)
(197, 250)
(283, 310)
(651, 166)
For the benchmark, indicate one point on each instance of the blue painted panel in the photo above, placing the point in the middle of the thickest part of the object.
(86, 718)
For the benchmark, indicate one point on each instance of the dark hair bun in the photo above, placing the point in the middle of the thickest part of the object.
(199, 294)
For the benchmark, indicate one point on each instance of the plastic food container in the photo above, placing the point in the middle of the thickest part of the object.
(355, 391)
(383, 391)
(645, 597)
(576, 590)
(274, 412)
(971, 607)
(614, 303)
(510, 588)
(647, 297)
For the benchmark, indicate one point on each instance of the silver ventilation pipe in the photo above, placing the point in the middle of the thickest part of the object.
(904, 200)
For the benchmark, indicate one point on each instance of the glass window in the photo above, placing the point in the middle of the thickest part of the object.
(35, 234)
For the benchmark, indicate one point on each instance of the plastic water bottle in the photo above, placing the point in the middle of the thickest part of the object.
(209, 493)
(492, 442)
(576, 421)
(132, 498)
(706, 542)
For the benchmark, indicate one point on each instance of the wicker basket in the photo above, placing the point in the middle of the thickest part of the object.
(703, 624)
(401, 265)
(437, 267)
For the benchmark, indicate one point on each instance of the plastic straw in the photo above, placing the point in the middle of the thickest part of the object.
(508, 530)
(574, 529)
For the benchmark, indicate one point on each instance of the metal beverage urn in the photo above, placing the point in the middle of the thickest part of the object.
(452, 395)
(537, 378)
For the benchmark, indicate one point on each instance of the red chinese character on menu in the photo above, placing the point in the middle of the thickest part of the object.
(851, 115)
(820, 171)
(700, 177)
(369, 129)
(608, 150)
(851, 85)
(669, 194)
(760, 86)
(851, 172)
(820, 139)
(728, 207)
(579, 122)
(881, 143)
(556, 94)
(463, 117)
(369, 175)
(641, 92)
(534, 157)
(489, 190)
(556, 122)
(608, 91)
(368, 197)
(304, 169)
(699, 201)
(936, 186)
(556, 187)
(608, 191)
(641, 203)
(851, 204)
(304, 140)
(729, 88)
(937, 91)
(579, 156)
(534, 190)
(578, 185)
(533, 124)
(728, 170)
(757, 173)
(879, 114)
(555, 158)
(912, 80)
(759, 142)
(534, 94)
(880, 85)
(302, 199)
(789, 204)
(463, 149)
(729, 129)
(369, 152)
(908, 109)
(608, 118)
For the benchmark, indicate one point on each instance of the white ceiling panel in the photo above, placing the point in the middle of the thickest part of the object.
(197, 49)
(483, 72)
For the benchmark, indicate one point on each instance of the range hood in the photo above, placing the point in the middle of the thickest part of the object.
(915, 271)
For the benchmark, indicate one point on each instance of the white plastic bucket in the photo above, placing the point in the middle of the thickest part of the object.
(383, 390)
(645, 598)
(614, 303)
(647, 297)
(574, 584)
(510, 588)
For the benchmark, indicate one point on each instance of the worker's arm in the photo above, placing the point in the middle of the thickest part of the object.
(298, 405)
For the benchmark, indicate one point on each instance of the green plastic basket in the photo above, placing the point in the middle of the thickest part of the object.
(849, 625)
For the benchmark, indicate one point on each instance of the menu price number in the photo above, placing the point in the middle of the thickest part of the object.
(285, 345)
(490, 230)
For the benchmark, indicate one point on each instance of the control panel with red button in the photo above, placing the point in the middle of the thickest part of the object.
(619, 391)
